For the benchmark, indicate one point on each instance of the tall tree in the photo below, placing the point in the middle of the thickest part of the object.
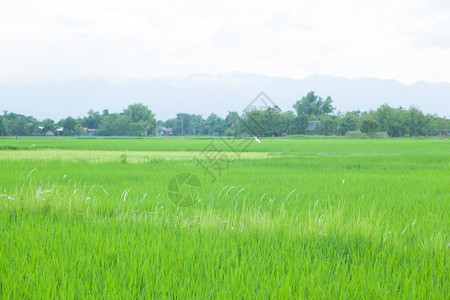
(301, 123)
(139, 113)
(93, 120)
(69, 125)
(313, 105)
(213, 125)
(369, 126)
(232, 123)
(349, 122)
(287, 123)
(3, 130)
(416, 121)
(328, 125)
(49, 125)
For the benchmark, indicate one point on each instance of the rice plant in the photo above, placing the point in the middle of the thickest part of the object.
(290, 218)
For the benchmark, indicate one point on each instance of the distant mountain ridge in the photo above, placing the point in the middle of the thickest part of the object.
(219, 93)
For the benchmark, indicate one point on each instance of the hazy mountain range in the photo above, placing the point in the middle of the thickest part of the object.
(206, 93)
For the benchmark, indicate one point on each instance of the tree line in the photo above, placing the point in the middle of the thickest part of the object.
(311, 115)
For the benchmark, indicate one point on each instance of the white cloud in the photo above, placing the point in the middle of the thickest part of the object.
(58, 40)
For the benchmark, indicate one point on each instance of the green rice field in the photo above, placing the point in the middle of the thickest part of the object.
(286, 218)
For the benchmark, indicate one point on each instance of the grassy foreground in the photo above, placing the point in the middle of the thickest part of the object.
(290, 218)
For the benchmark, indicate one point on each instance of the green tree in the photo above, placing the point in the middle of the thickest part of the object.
(313, 105)
(415, 121)
(3, 130)
(174, 124)
(431, 125)
(398, 126)
(267, 122)
(15, 124)
(369, 126)
(121, 125)
(136, 129)
(93, 120)
(288, 123)
(252, 123)
(49, 125)
(139, 113)
(443, 126)
(107, 126)
(196, 125)
(349, 122)
(19, 126)
(385, 115)
(184, 122)
(33, 127)
(232, 124)
(69, 125)
(391, 120)
(213, 124)
(328, 125)
(301, 123)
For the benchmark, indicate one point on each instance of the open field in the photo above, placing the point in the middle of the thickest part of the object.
(288, 218)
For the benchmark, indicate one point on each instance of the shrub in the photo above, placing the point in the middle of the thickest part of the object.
(380, 135)
(355, 135)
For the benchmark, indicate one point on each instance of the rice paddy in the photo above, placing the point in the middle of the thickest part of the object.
(284, 218)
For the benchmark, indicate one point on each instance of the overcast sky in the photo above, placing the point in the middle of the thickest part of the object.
(53, 41)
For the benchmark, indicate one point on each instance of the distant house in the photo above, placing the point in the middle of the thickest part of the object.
(166, 131)
(49, 133)
(88, 131)
(60, 131)
(312, 127)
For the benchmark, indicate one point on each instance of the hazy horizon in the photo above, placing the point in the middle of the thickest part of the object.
(217, 93)
(399, 46)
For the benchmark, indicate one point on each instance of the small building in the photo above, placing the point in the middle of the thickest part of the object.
(312, 127)
(49, 133)
(166, 131)
(60, 131)
(88, 131)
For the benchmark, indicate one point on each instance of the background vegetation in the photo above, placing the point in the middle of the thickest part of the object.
(138, 120)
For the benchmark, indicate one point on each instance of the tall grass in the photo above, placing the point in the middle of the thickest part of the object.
(329, 219)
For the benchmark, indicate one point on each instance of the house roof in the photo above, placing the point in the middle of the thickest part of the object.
(312, 125)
